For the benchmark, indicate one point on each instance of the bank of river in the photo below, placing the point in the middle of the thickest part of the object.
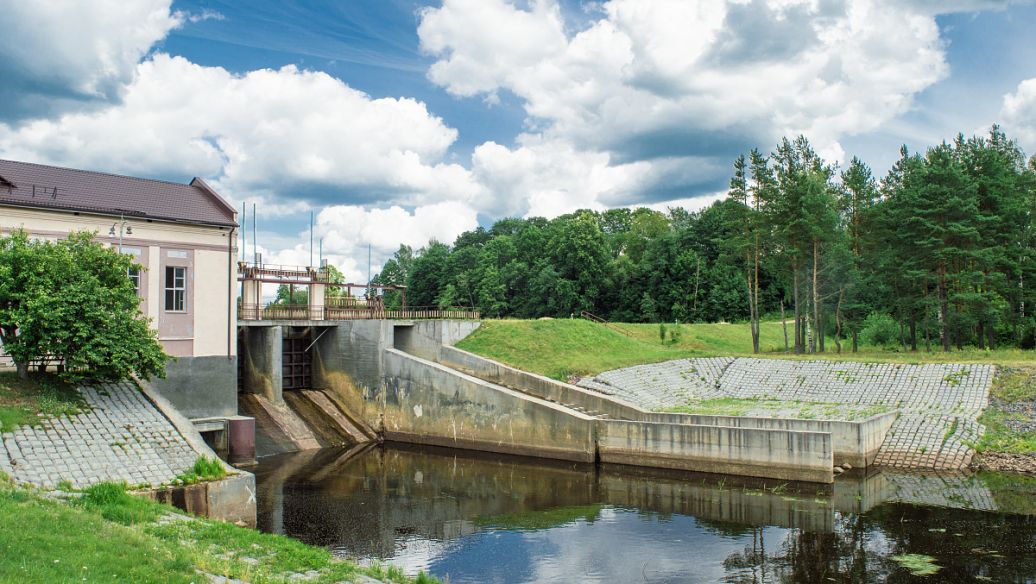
(472, 518)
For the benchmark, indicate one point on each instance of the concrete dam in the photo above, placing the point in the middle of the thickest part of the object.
(312, 384)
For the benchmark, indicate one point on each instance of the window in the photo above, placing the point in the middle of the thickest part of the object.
(175, 289)
(134, 276)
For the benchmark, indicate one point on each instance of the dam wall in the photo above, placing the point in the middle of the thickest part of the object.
(403, 381)
(854, 443)
(428, 403)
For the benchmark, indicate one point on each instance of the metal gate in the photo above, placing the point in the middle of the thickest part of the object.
(297, 361)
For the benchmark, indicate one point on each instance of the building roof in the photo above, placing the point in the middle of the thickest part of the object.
(24, 184)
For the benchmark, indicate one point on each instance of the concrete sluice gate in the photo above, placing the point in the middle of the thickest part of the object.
(312, 384)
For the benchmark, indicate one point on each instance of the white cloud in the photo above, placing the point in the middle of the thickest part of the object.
(1018, 114)
(288, 134)
(75, 50)
(674, 82)
(348, 229)
(760, 69)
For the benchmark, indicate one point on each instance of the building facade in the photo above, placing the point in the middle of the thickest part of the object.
(182, 237)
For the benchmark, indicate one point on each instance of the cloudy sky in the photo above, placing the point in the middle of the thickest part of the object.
(396, 121)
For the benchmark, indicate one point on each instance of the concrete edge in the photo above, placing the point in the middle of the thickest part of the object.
(768, 430)
(184, 426)
(495, 386)
(546, 379)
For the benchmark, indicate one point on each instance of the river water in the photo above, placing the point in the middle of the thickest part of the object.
(474, 518)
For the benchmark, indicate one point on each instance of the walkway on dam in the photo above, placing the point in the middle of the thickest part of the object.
(939, 404)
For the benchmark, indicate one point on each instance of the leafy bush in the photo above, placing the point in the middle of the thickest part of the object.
(880, 330)
(72, 300)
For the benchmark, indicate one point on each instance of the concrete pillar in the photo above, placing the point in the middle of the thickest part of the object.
(263, 355)
(250, 300)
(316, 301)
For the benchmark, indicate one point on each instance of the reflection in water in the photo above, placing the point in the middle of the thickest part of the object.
(477, 518)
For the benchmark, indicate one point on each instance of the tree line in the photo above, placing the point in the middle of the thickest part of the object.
(937, 253)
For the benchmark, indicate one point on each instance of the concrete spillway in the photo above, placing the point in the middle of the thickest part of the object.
(308, 419)
(404, 381)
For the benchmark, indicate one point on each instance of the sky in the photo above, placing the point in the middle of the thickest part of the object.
(399, 121)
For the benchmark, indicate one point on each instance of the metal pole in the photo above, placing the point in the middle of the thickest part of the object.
(122, 225)
(255, 227)
(320, 259)
(244, 232)
(311, 239)
(368, 270)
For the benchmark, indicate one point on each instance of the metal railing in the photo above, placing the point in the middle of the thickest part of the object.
(282, 312)
(594, 318)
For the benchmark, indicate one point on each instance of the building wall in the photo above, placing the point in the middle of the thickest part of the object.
(202, 381)
(199, 331)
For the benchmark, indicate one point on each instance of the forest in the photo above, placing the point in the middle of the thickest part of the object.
(935, 255)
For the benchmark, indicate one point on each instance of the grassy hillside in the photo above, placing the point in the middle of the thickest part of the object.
(107, 535)
(560, 348)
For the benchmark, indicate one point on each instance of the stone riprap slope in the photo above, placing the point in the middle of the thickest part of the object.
(121, 437)
(660, 386)
(939, 404)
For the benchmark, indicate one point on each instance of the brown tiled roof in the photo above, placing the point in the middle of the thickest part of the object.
(25, 184)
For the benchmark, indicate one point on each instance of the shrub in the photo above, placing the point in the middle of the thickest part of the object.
(880, 330)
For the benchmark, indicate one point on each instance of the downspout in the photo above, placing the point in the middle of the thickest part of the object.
(230, 293)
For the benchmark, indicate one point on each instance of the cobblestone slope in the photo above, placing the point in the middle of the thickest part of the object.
(939, 404)
(122, 437)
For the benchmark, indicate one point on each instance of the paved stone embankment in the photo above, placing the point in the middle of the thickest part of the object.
(939, 404)
(120, 437)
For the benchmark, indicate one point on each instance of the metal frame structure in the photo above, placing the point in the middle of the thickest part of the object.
(348, 307)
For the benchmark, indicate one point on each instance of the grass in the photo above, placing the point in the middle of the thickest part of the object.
(23, 402)
(536, 520)
(110, 536)
(1012, 384)
(561, 348)
(204, 469)
(731, 406)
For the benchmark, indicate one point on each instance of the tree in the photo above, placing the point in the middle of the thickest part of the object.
(395, 272)
(428, 275)
(72, 300)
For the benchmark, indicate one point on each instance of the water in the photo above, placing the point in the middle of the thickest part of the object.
(484, 519)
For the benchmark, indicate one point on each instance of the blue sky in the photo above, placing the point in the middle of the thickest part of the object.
(397, 121)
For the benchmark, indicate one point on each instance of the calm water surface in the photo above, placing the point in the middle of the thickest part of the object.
(473, 518)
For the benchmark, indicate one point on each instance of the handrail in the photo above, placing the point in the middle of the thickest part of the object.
(594, 318)
(304, 312)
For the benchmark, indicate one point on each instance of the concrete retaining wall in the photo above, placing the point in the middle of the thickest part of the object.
(201, 387)
(231, 499)
(780, 454)
(538, 385)
(261, 361)
(427, 338)
(853, 442)
(427, 403)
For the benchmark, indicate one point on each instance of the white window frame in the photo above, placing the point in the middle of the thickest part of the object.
(177, 285)
(134, 275)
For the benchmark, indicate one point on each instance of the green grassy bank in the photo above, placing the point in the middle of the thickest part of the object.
(1013, 384)
(26, 401)
(107, 535)
(560, 348)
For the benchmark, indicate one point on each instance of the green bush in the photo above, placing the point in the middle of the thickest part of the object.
(880, 330)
